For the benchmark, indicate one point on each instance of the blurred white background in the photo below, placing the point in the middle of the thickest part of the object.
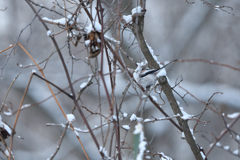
(174, 30)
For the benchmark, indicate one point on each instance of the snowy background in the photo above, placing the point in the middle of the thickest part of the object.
(174, 30)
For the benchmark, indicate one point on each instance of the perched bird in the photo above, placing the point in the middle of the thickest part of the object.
(147, 77)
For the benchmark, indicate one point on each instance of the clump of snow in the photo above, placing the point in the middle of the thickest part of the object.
(138, 9)
(96, 26)
(87, 42)
(76, 133)
(126, 127)
(185, 116)
(147, 120)
(69, 34)
(34, 71)
(114, 117)
(238, 137)
(164, 157)
(59, 21)
(62, 21)
(49, 33)
(226, 148)
(183, 135)
(70, 118)
(217, 7)
(218, 144)
(154, 98)
(153, 55)
(235, 152)
(125, 114)
(5, 126)
(127, 18)
(84, 84)
(25, 106)
(191, 130)
(103, 150)
(203, 155)
(162, 72)
(233, 115)
(133, 117)
(7, 152)
(8, 112)
(148, 157)
(178, 102)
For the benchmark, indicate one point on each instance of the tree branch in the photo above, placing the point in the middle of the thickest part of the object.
(138, 19)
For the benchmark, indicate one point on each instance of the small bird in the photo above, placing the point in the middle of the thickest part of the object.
(147, 77)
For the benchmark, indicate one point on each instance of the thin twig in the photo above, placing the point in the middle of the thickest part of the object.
(59, 143)
(222, 133)
(8, 91)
